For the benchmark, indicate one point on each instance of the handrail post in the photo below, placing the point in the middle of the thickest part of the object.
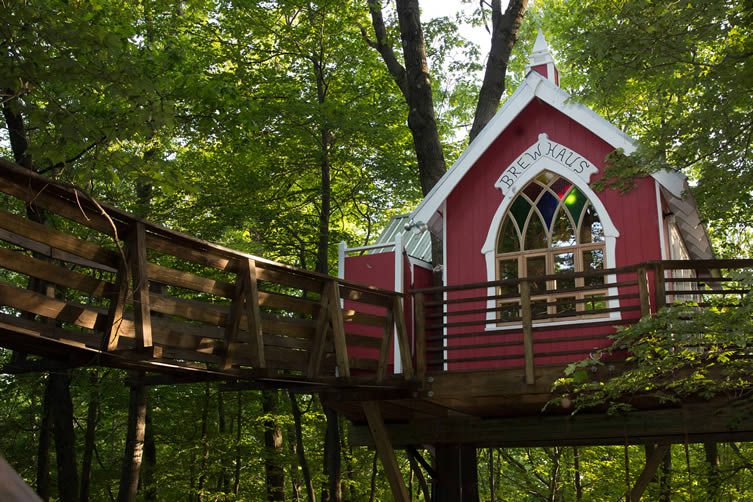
(141, 304)
(338, 329)
(402, 337)
(643, 291)
(420, 327)
(527, 320)
(660, 287)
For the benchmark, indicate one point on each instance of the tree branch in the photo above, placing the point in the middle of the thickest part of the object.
(382, 45)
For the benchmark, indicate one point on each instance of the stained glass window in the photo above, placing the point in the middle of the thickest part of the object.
(552, 229)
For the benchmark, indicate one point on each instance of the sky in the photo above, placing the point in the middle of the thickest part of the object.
(438, 8)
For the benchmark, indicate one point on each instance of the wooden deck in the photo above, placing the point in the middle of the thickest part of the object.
(97, 286)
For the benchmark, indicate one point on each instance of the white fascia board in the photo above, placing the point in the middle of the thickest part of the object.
(512, 107)
(534, 85)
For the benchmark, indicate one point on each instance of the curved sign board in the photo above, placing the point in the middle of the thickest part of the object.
(517, 173)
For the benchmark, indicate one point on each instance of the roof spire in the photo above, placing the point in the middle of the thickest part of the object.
(541, 60)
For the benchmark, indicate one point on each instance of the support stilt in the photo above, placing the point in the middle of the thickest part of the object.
(385, 451)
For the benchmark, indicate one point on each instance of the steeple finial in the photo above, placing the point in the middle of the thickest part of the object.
(541, 59)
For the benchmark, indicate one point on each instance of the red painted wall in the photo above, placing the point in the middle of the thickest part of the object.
(473, 202)
(378, 270)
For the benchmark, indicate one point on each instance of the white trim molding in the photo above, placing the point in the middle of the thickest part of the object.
(534, 86)
(611, 233)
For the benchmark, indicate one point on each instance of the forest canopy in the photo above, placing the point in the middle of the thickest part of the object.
(280, 128)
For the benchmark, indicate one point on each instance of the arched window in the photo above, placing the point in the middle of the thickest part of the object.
(551, 228)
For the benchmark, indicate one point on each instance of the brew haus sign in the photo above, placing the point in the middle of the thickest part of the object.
(551, 156)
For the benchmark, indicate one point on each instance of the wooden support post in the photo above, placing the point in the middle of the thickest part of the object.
(402, 337)
(138, 264)
(643, 291)
(320, 335)
(233, 323)
(660, 287)
(420, 326)
(385, 451)
(527, 319)
(384, 348)
(253, 313)
(338, 329)
(118, 297)
(649, 471)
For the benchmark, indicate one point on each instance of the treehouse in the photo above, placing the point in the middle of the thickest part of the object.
(539, 265)
(527, 237)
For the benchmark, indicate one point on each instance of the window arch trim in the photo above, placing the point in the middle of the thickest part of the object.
(611, 233)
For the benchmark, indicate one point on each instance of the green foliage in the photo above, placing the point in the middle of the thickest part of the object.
(683, 352)
(677, 76)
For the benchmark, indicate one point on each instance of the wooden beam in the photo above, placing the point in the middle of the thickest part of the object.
(385, 451)
(660, 290)
(138, 266)
(420, 327)
(253, 313)
(320, 335)
(338, 329)
(406, 357)
(233, 323)
(116, 309)
(649, 470)
(643, 291)
(384, 349)
(527, 319)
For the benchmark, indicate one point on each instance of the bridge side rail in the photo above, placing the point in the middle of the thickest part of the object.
(551, 320)
(94, 277)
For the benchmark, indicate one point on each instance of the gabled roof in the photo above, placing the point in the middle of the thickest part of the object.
(533, 86)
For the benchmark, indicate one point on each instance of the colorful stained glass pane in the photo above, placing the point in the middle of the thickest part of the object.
(519, 210)
(508, 241)
(547, 204)
(563, 233)
(561, 187)
(574, 202)
(533, 190)
(535, 233)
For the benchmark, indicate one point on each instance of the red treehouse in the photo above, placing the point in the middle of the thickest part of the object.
(538, 267)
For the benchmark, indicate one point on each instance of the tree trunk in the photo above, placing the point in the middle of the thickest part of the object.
(332, 466)
(43, 448)
(204, 442)
(223, 483)
(275, 475)
(134, 446)
(239, 419)
(457, 477)
(89, 438)
(713, 476)
(65, 438)
(372, 484)
(301, 453)
(504, 34)
(150, 458)
(576, 474)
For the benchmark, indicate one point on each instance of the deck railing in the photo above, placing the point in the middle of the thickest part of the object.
(108, 283)
(555, 319)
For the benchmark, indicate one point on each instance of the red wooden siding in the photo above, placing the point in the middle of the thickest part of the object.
(473, 202)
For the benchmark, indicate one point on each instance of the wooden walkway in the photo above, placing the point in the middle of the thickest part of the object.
(96, 285)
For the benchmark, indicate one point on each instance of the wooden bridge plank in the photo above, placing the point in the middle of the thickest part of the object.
(188, 280)
(49, 272)
(56, 239)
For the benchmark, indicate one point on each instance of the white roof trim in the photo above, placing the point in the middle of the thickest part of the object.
(534, 86)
